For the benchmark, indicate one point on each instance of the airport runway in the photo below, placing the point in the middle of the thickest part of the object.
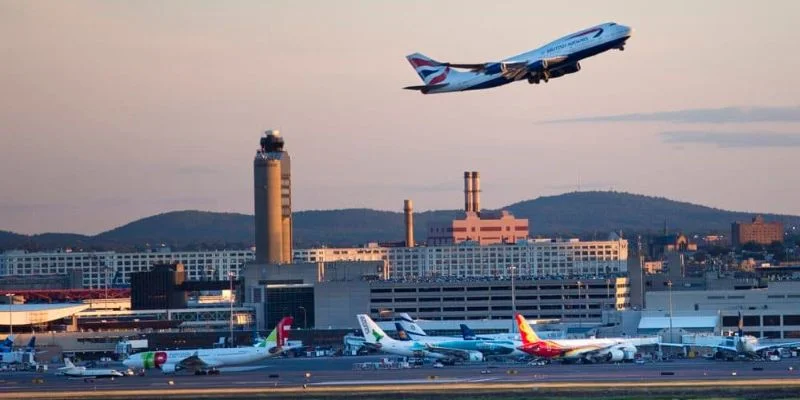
(287, 378)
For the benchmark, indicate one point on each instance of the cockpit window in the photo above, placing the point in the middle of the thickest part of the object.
(612, 24)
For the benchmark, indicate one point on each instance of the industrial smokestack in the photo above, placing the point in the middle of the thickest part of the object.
(476, 192)
(408, 209)
(467, 191)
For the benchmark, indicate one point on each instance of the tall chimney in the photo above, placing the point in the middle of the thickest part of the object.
(408, 209)
(468, 191)
(476, 192)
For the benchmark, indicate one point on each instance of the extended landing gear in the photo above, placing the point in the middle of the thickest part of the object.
(621, 48)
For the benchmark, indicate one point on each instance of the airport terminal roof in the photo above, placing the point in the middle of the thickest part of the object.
(682, 322)
(28, 314)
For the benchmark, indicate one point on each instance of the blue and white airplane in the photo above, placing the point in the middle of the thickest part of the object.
(553, 60)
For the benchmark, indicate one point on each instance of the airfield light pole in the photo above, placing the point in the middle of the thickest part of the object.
(305, 319)
(669, 284)
(580, 312)
(230, 302)
(513, 299)
(10, 320)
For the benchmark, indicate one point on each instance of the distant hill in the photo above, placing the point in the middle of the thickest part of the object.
(584, 214)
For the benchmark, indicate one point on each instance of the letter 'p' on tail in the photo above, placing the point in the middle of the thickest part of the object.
(431, 72)
(525, 331)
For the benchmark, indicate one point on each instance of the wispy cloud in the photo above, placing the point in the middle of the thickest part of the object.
(728, 115)
(733, 139)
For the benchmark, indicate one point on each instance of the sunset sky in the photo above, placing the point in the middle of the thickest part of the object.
(116, 110)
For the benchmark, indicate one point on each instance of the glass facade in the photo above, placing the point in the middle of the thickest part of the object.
(297, 301)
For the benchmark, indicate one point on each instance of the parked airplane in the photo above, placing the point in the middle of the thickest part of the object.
(553, 60)
(495, 346)
(739, 344)
(454, 346)
(205, 361)
(375, 337)
(580, 350)
(71, 370)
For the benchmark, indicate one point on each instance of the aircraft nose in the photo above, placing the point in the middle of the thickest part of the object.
(627, 30)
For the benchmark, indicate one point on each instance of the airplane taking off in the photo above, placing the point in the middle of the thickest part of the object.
(71, 370)
(553, 60)
(580, 350)
(205, 361)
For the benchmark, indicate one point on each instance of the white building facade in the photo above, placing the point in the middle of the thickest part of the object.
(108, 268)
(531, 258)
(535, 257)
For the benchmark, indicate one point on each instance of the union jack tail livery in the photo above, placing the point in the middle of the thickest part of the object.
(431, 72)
(553, 60)
(525, 331)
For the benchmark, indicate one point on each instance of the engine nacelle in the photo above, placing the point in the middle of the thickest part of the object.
(567, 69)
(615, 355)
(475, 356)
(168, 368)
(630, 353)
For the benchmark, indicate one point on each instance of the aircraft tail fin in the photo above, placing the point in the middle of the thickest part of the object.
(410, 326)
(68, 364)
(527, 334)
(373, 334)
(431, 72)
(401, 332)
(467, 333)
(32, 344)
(283, 328)
(8, 342)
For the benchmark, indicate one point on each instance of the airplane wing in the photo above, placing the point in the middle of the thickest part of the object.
(511, 68)
(450, 352)
(194, 362)
(777, 345)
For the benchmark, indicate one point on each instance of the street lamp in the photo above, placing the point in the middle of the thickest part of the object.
(10, 320)
(230, 317)
(580, 312)
(513, 299)
(669, 284)
(305, 320)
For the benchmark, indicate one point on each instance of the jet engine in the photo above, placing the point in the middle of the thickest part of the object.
(168, 368)
(493, 68)
(567, 69)
(630, 353)
(615, 355)
(475, 356)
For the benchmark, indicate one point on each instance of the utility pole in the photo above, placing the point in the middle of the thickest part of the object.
(669, 284)
(580, 312)
(513, 300)
(10, 315)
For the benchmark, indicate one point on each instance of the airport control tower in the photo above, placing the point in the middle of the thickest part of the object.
(273, 201)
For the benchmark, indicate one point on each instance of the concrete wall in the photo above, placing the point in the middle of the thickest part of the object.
(337, 303)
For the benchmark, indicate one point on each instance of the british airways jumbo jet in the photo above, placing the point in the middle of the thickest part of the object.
(553, 60)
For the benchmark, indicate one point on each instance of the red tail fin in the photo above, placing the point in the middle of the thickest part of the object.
(525, 331)
(282, 329)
